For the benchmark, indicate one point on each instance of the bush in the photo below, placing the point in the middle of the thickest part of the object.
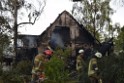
(111, 68)
(120, 70)
(24, 67)
(17, 74)
(55, 68)
(10, 77)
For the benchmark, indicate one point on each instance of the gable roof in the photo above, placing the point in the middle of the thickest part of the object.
(81, 27)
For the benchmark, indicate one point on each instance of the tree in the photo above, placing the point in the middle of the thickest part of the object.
(4, 36)
(10, 10)
(120, 39)
(4, 43)
(94, 14)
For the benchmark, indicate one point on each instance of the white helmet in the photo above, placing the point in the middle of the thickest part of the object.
(81, 51)
(98, 55)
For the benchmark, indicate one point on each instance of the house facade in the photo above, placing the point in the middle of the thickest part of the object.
(26, 47)
(64, 32)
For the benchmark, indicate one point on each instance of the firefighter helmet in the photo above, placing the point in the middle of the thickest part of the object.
(98, 55)
(81, 51)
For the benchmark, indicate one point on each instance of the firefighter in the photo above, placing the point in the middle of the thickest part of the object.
(93, 70)
(48, 52)
(80, 64)
(38, 68)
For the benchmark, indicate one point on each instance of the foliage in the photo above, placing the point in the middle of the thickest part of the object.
(120, 39)
(4, 43)
(94, 14)
(18, 74)
(120, 69)
(84, 74)
(112, 68)
(13, 7)
(24, 67)
(11, 11)
(4, 36)
(55, 68)
(10, 77)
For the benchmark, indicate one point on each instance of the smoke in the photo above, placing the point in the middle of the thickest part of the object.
(56, 41)
(32, 41)
(19, 43)
(28, 41)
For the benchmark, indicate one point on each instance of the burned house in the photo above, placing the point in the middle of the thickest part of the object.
(26, 47)
(65, 31)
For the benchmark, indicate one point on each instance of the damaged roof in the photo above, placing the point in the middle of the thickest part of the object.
(81, 27)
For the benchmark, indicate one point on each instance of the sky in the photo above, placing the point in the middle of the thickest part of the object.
(118, 16)
(53, 8)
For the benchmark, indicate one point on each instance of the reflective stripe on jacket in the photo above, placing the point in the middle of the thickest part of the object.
(38, 63)
(79, 63)
(92, 67)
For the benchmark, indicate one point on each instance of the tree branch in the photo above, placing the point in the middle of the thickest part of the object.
(37, 15)
(28, 22)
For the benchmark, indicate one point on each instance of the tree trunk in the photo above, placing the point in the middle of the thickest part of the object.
(15, 29)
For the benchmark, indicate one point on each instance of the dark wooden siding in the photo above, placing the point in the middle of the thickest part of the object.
(70, 31)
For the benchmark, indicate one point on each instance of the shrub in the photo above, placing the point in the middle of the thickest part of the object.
(10, 77)
(17, 74)
(111, 68)
(55, 68)
(24, 67)
(120, 69)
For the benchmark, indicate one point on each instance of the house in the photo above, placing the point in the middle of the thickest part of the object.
(26, 47)
(64, 32)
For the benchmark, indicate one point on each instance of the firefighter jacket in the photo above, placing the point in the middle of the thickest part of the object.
(93, 67)
(38, 63)
(79, 63)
